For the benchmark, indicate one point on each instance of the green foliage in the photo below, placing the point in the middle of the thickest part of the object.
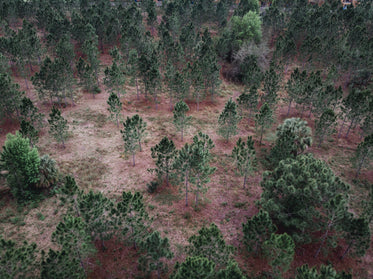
(22, 165)
(58, 126)
(248, 102)
(246, 28)
(115, 107)
(73, 238)
(86, 76)
(232, 271)
(302, 187)
(164, 153)
(156, 249)
(28, 131)
(325, 125)
(114, 79)
(304, 272)
(271, 85)
(364, 154)
(279, 251)
(264, 119)
(244, 156)
(194, 267)
(133, 220)
(209, 243)
(357, 235)
(181, 120)
(48, 172)
(17, 261)
(293, 137)
(96, 210)
(246, 6)
(257, 230)
(228, 120)
(10, 97)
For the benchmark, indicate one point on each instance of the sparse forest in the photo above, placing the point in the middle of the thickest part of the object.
(186, 139)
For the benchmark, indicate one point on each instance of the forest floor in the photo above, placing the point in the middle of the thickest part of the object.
(94, 155)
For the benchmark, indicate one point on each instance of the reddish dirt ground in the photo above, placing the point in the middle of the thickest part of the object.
(226, 203)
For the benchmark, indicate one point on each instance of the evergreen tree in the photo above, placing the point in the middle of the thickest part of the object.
(303, 187)
(17, 261)
(133, 221)
(22, 165)
(209, 243)
(264, 119)
(130, 137)
(228, 120)
(29, 131)
(357, 235)
(133, 69)
(194, 267)
(114, 79)
(257, 230)
(72, 236)
(304, 272)
(181, 120)
(86, 76)
(139, 125)
(183, 165)
(325, 125)
(244, 156)
(295, 86)
(293, 137)
(29, 113)
(10, 97)
(96, 211)
(247, 103)
(279, 250)
(364, 154)
(164, 153)
(90, 49)
(271, 84)
(58, 126)
(156, 249)
(232, 271)
(115, 107)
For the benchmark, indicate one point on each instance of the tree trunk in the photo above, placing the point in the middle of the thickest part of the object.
(182, 134)
(117, 122)
(288, 109)
(340, 130)
(349, 128)
(321, 140)
(137, 89)
(140, 146)
(347, 250)
(133, 159)
(360, 165)
(186, 188)
(244, 180)
(261, 135)
(322, 242)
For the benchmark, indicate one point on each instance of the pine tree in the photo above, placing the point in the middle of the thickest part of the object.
(17, 261)
(96, 211)
(248, 102)
(29, 113)
(194, 267)
(295, 86)
(181, 120)
(244, 156)
(293, 137)
(279, 251)
(29, 131)
(114, 79)
(271, 84)
(133, 220)
(90, 49)
(357, 235)
(257, 230)
(296, 185)
(10, 97)
(304, 272)
(156, 249)
(232, 271)
(72, 236)
(22, 164)
(228, 120)
(86, 76)
(364, 154)
(325, 125)
(164, 153)
(130, 137)
(139, 126)
(209, 243)
(115, 107)
(58, 126)
(264, 119)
